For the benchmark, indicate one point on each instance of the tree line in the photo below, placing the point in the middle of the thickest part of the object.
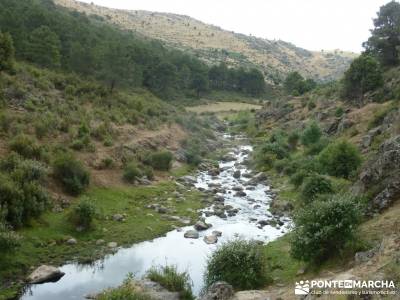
(54, 37)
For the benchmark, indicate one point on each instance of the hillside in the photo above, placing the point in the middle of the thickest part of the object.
(213, 44)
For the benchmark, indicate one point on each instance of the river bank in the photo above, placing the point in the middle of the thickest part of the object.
(238, 206)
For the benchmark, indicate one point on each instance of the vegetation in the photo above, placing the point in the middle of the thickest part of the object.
(131, 172)
(311, 135)
(125, 292)
(22, 196)
(6, 52)
(296, 85)
(240, 263)
(160, 160)
(314, 186)
(71, 174)
(340, 159)
(364, 75)
(57, 38)
(171, 279)
(9, 240)
(83, 213)
(324, 227)
(384, 40)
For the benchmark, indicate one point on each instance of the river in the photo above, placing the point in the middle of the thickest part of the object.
(251, 201)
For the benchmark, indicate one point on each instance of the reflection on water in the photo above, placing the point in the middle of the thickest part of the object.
(188, 254)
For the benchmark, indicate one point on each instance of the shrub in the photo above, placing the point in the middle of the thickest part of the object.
(311, 105)
(172, 280)
(298, 178)
(160, 160)
(293, 140)
(317, 147)
(21, 195)
(324, 227)
(131, 172)
(340, 159)
(83, 213)
(277, 148)
(315, 185)
(71, 173)
(311, 134)
(26, 147)
(339, 112)
(240, 263)
(9, 240)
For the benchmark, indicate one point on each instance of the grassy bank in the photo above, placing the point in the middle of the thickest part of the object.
(44, 242)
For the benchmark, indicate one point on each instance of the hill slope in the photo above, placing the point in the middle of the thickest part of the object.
(214, 44)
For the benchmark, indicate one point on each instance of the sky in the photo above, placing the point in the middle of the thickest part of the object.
(310, 24)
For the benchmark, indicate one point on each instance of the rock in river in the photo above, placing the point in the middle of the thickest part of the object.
(45, 273)
(191, 234)
(200, 225)
(211, 239)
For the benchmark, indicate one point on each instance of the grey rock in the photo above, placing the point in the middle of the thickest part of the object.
(45, 273)
(219, 291)
(210, 239)
(236, 174)
(112, 245)
(118, 217)
(72, 241)
(201, 225)
(191, 234)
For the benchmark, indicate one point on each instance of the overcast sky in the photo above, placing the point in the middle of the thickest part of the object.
(311, 24)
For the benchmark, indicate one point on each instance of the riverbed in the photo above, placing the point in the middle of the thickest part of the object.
(249, 218)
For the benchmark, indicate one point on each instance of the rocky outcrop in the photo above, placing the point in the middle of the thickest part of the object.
(44, 274)
(219, 291)
(382, 175)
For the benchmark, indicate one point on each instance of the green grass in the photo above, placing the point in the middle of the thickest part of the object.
(283, 267)
(44, 241)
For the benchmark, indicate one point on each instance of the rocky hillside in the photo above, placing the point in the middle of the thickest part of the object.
(213, 44)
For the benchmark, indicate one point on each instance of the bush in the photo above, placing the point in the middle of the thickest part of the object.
(131, 172)
(340, 159)
(9, 240)
(315, 185)
(317, 147)
(71, 173)
(172, 280)
(293, 140)
(298, 178)
(311, 135)
(160, 160)
(339, 112)
(83, 213)
(21, 195)
(324, 227)
(26, 147)
(277, 148)
(240, 263)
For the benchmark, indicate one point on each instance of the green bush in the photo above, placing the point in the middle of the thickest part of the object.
(240, 263)
(311, 105)
(314, 186)
(21, 195)
(9, 240)
(293, 140)
(131, 172)
(160, 160)
(323, 228)
(298, 178)
(71, 173)
(317, 147)
(26, 147)
(311, 134)
(172, 280)
(340, 159)
(83, 213)
(339, 112)
(277, 148)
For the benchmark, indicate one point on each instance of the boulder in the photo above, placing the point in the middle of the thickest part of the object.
(217, 233)
(201, 225)
(191, 234)
(72, 241)
(210, 239)
(219, 290)
(112, 245)
(45, 273)
(118, 217)
(236, 174)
